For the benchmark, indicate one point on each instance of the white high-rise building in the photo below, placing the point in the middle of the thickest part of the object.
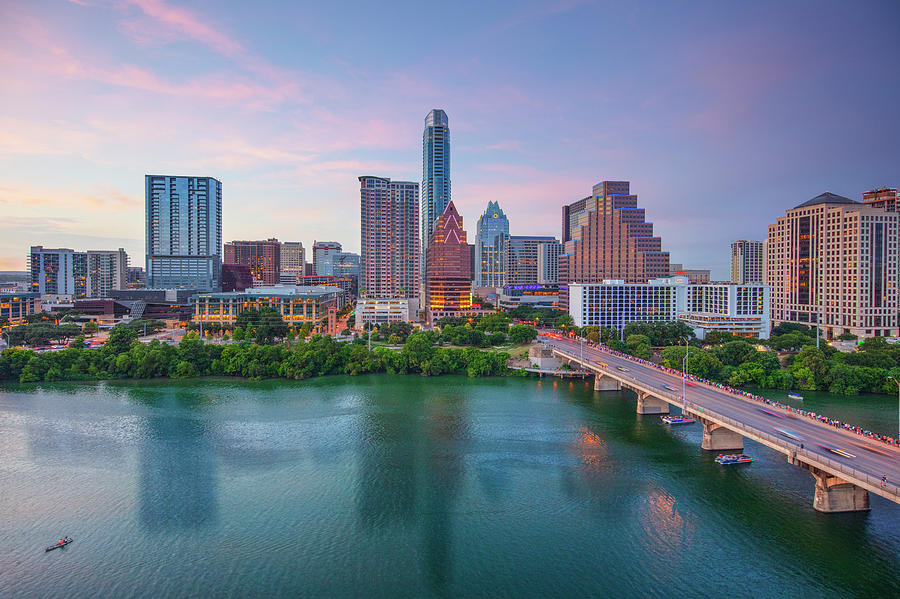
(747, 261)
(833, 261)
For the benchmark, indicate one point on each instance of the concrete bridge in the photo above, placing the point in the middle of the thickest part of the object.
(842, 483)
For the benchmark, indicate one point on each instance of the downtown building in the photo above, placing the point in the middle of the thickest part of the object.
(747, 261)
(606, 236)
(526, 257)
(58, 272)
(292, 260)
(833, 261)
(389, 239)
(263, 257)
(183, 232)
(66, 274)
(490, 243)
(736, 309)
(322, 252)
(448, 276)
(107, 271)
(435, 191)
(886, 198)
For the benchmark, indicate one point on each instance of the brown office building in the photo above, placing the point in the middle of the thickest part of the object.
(263, 258)
(448, 265)
(606, 236)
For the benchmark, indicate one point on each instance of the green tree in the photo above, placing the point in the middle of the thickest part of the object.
(522, 333)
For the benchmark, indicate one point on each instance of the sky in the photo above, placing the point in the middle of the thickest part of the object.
(722, 114)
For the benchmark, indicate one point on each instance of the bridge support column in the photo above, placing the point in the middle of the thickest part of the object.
(606, 383)
(648, 404)
(834, 494)
(719, 438)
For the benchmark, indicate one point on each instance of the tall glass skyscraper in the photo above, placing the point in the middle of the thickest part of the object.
(493, 229)
(435, 191)
(184, 232)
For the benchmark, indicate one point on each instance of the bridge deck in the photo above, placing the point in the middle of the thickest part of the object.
(872, 459)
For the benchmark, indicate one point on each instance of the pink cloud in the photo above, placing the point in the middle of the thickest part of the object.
(189, 25)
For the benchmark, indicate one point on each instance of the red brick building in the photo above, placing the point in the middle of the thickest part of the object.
(263, 258)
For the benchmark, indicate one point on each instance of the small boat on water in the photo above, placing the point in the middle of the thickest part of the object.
(61, 543)
(678, 419)
(726, 459)
(795, 396)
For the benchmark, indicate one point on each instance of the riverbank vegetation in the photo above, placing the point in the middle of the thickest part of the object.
(123, 356)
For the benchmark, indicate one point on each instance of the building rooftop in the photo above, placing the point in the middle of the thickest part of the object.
(826, 198)
(277, 290)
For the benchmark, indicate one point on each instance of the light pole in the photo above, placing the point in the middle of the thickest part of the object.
(898, 402)
(684, 367)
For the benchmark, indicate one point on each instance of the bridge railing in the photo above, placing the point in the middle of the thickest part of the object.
(787, 447)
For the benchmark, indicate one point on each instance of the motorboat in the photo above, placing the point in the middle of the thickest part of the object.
(727, 459)
(678, 419)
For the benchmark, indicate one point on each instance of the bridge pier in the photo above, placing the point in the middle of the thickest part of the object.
(834, 494)
(606, 383)
(718, 438)
(648, 404)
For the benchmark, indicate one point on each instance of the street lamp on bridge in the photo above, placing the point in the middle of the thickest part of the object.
(684, 367)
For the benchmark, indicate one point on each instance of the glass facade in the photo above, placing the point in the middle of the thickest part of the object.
(184, 232)
(435, 192)
(493, 229)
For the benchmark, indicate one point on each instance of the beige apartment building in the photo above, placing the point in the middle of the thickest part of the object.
(833, 260)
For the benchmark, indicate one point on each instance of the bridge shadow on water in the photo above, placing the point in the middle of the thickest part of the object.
(766, 505)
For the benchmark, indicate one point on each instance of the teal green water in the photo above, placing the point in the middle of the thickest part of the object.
(390, 486)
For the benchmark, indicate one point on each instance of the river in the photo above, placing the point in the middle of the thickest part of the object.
(405, 486)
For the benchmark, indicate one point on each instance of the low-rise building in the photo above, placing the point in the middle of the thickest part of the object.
(14, 307)
(384, 310)
(535, 296)
(298, 305)
(737, 309)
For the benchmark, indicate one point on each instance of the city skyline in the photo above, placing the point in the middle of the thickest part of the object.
(721, 133)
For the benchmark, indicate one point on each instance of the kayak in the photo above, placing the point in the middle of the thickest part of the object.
(58, 545)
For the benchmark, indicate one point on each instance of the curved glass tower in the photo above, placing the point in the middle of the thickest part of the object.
(435, 191)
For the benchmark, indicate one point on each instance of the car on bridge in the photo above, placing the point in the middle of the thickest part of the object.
(836, 451)
(670, 388)
(789, 434)
(771, 413)
(619, 368)
(604, 364)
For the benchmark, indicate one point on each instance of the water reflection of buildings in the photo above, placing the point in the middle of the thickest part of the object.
(177, 473)
(410, 475)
